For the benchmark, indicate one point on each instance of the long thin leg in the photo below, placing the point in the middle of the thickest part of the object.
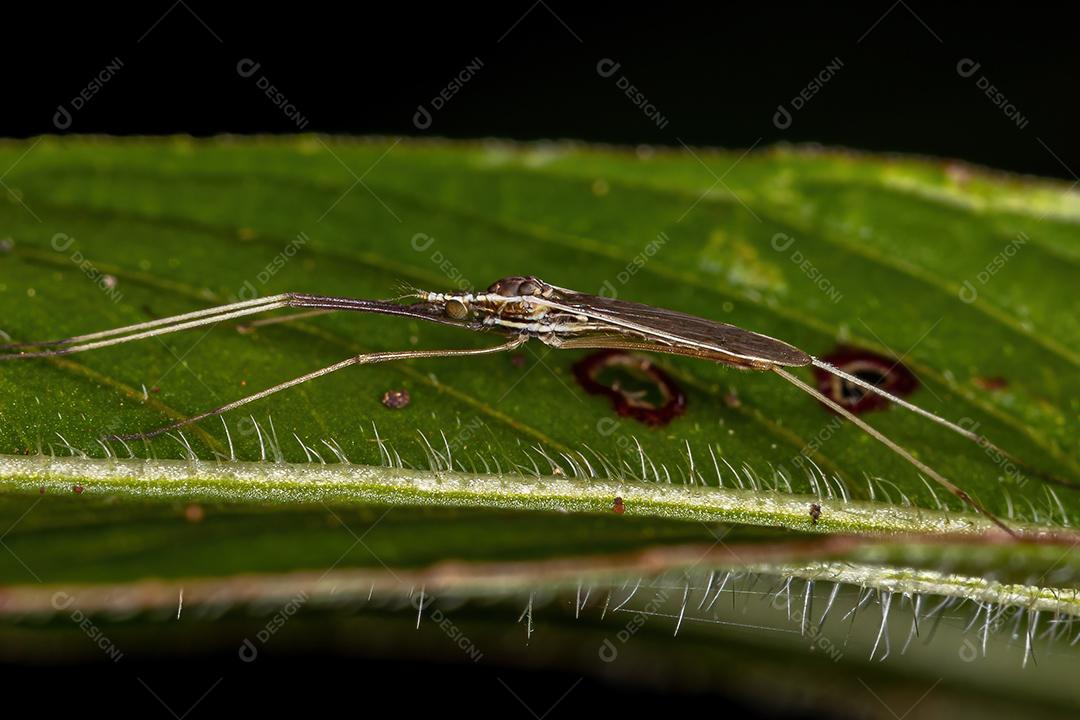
(975, 437)
(877, 435)
(365, 359)
(253, 306)
(211, 316)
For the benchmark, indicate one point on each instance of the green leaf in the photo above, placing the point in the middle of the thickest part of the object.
(499, 477)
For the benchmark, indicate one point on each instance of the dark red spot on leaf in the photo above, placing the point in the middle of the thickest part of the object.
(884, 372)
(77, 489)
(991, 383)
(637, 388)
(815, 513)
(617, 507)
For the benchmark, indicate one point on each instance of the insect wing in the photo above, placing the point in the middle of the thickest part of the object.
(676, 328)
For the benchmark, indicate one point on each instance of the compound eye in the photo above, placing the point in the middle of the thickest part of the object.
(528, 288)
(506, 287)
(457, 310)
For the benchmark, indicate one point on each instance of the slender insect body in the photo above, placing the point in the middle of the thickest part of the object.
(521, 308)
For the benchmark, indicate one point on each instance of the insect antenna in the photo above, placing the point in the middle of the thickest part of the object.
(877, 435)
(406, 291)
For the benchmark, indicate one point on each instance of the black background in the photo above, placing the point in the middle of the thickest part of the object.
(717, 75)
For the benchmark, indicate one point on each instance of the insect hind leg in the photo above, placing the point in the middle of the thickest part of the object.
(980, 440)
(899, 450)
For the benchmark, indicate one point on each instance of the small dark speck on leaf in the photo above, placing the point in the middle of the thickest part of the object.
(732, 400)
(77, 489)
(887, 373)
(991, 383)
(617, 507)
(396, 399)
(41, 490)
(517, 360)
(194, 513)
(815, 513)
(155, 389)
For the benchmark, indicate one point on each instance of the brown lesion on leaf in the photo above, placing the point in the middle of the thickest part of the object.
(887, 373)
(636, 387)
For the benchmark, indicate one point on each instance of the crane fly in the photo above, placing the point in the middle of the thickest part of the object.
(521, 308)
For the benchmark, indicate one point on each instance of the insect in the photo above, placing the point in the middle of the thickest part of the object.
(520, 308)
